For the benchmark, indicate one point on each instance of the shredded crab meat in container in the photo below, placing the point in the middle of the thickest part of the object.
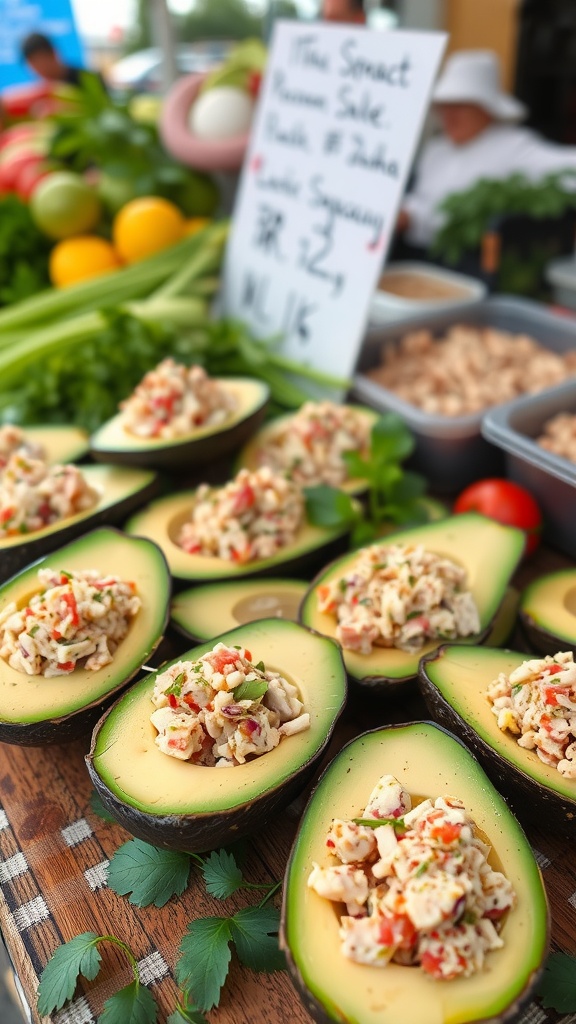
(399, 595)
(251, 517)
(34, 494)
(417, 885)
(173, 400)
(537, 704)
(76, 618)
(14, 441)
(308, 448)
(223, 710)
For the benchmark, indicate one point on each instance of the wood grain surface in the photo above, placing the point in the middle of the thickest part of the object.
(54, 851)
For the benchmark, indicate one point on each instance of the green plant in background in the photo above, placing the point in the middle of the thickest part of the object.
(96, 131)
(24, 252)
(470, 214)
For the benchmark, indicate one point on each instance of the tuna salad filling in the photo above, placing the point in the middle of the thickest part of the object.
(251, 517)
(416, 883)
(14, 441)
(537, 704)
(399, 595)
(34, 495)
(310, 447)
(173, 400)
(77, 619)
(223, 709)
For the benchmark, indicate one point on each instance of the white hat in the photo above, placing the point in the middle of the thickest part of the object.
(473, 76)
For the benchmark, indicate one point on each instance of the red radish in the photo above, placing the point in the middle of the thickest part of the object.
(30, 175)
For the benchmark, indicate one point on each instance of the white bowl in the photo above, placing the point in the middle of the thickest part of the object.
(387, 306)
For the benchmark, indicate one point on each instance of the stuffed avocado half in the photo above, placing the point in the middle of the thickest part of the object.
(38, 710)
(454, 682)
(61, 443)
(488, 551)
(119, 490)
(113, 443)
(178, 804)
(428, 762)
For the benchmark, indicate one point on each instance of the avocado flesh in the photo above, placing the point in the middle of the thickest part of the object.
(248, 457)
(429, 762)
(162, 520)
(548, 611)
(462, 675)
(61, 443)
(136, 772)
(205, 611)
(28, 699)
(488, 551)
(112, 439)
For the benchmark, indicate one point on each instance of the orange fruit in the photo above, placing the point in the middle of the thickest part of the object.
(145, 226)
(79, 258)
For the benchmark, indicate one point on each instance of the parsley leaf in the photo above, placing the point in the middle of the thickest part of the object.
(251, 689)
(134, 1004)
(150, 874)
(255, 934)
(203, 966)
(59, 978)
(97, 807)
(557, 988)
(328, 506)
(391, 441)
(222, 874)
(175, 688)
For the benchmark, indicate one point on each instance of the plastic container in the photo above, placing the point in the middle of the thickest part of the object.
(513, 427)
(450, 450)
(561, 274)
(386, 307)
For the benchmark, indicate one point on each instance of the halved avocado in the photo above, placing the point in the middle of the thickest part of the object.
(454, 681)
(429, 762)
(163, 519)
(35, 710)
(61, 443)
(505, 619)
(121, 491)
(249, 457)
(113, 443)
(488, 551)
(183, 806)
(548, 612)
(202, 612)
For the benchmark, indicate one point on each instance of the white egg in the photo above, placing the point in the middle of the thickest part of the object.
(221, 113)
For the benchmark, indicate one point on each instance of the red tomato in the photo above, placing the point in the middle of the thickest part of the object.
(506, 502)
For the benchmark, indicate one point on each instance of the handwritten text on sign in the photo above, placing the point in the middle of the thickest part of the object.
(337, 124)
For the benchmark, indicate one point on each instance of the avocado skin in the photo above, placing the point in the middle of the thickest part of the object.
(197, 833)
(315, 1008)
(58, 730)
(191, 454)
(540, 640)
(13, 559)
(520, 789)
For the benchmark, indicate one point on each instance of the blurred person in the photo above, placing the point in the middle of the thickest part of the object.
(350, 12)
(480, 138)
(43, 58)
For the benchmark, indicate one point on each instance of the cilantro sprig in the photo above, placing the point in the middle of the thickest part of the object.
(394, 494)
(397, 823)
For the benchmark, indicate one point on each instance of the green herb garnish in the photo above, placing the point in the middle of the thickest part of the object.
(250, 689)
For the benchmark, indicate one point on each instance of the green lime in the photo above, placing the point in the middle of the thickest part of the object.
(63, 204)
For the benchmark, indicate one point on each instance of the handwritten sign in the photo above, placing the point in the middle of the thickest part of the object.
(337, 124)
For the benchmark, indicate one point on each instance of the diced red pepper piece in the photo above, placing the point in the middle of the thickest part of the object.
(172, 700)
(70, 602)
(67, 666)
(446, 832)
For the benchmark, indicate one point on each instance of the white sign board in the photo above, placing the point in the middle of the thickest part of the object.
(337, 124)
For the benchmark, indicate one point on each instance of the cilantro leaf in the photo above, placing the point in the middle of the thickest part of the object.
(187, 1015)
(203, 967)
(222, 874)
(557, 988)
(134, 1004)
(390, 439)
(251, 689)
(356, 465)
(150, 874)
(328, 506)
(59, 978)
(97, 807)
(255, 934)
